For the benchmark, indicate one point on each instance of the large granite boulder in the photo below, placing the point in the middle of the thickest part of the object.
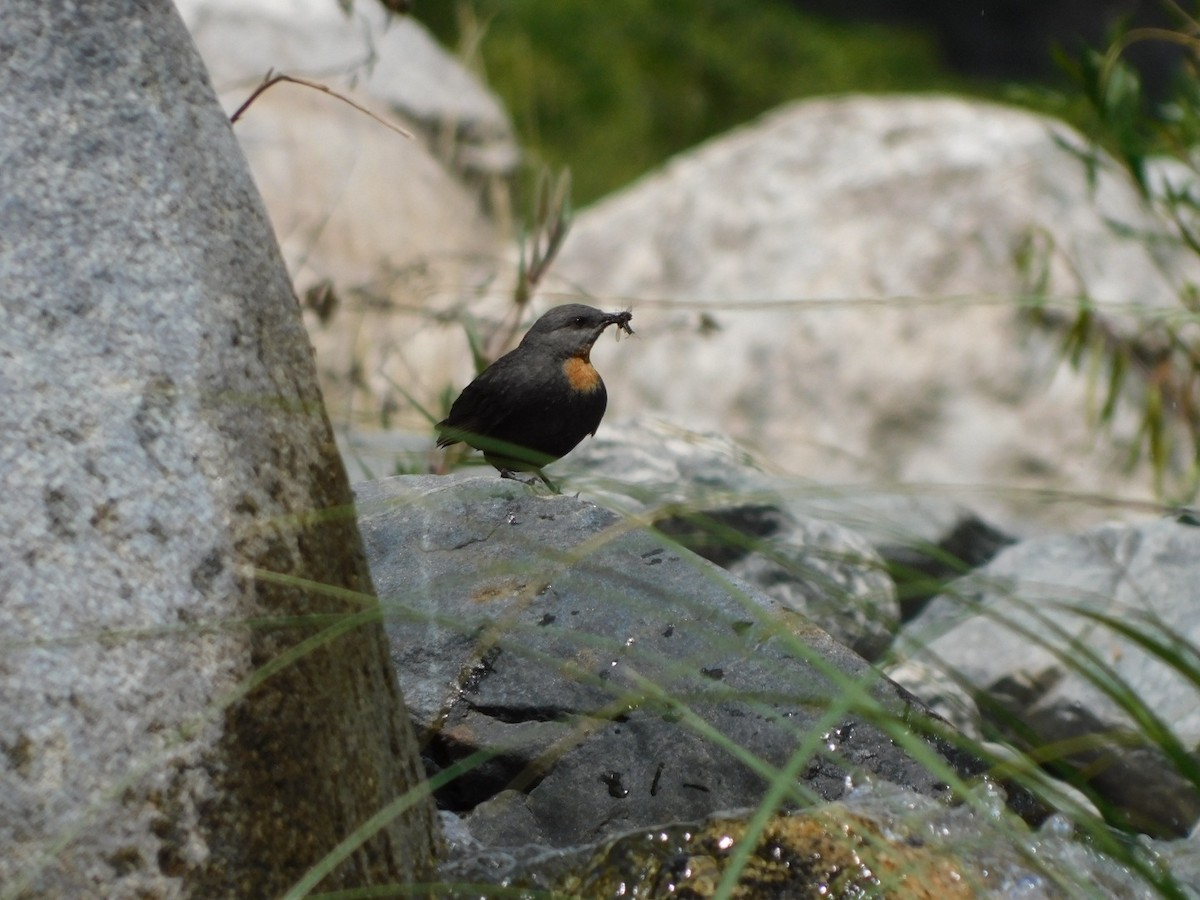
(189, 708)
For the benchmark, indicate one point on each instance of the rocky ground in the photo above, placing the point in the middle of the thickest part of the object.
(846, 391)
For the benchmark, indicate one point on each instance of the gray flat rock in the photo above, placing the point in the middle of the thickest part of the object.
(1059, 634)
(619, 680)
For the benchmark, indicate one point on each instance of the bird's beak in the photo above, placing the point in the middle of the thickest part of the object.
(620, 319)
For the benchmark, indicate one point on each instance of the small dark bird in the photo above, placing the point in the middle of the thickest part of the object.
(534, 404)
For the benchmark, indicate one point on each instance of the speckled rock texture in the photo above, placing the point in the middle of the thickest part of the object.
(168, 474)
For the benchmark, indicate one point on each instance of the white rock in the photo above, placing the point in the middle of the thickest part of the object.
(396, 224)
(836, 285)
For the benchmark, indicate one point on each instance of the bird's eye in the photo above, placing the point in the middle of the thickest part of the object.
(580, 321)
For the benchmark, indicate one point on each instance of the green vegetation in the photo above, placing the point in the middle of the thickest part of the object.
(1154, 366)
(611, 89)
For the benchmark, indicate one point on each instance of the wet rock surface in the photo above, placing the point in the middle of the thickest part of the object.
(878, 841)
(596, 682)
(615, 679)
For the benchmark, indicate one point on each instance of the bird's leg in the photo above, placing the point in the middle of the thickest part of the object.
(546, 481)
(509, 473)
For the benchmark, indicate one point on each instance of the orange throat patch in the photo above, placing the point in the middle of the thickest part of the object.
(581, 374)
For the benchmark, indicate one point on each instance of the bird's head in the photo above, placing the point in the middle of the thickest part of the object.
(572, 329)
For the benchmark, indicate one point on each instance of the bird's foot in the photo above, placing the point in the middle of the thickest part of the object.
(530, 481)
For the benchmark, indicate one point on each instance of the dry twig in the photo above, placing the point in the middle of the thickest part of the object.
(270, 80)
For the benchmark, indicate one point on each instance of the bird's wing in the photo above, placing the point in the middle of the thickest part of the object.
(478, 409)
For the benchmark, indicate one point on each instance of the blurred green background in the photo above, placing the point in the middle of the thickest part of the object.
(610, 89)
